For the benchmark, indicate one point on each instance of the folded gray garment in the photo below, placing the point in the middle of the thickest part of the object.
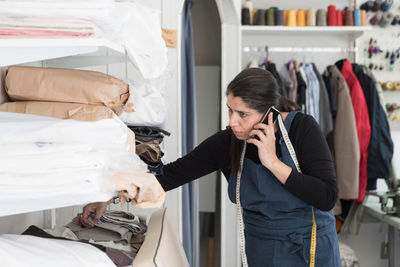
(101, 232)
(126, 220)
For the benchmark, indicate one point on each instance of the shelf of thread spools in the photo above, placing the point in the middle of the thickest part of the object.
(355, 31)
(255, 20)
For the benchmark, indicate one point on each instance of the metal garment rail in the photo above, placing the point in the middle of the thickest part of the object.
(287, 49)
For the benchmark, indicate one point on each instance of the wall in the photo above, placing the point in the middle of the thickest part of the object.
(206, 33)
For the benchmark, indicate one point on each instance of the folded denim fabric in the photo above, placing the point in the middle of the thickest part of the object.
(147, 134)
(155, 168)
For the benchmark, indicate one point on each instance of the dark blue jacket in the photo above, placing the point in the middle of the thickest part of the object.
(380, 150)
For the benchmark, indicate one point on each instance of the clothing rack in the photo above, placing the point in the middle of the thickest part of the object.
(286, 49)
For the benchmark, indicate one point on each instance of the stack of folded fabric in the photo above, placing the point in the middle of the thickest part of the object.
(48, 163)
(87, 156)
(45, 27)
(275, 16)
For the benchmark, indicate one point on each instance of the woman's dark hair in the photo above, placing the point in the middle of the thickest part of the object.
(259, 89)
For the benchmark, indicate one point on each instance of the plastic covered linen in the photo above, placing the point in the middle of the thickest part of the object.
(24, 128)
(145, 106)
(134, 26)
(47, 163)
(32, 251)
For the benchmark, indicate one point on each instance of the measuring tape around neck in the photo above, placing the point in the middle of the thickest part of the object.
(239, 207)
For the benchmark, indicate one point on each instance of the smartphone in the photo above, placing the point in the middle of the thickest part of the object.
(264, 119)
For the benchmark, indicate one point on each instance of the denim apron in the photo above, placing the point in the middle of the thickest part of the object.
(277, 224)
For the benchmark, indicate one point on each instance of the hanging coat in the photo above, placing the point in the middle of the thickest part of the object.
(362, 121)
(325, 117)
(346, 150)
(380, 151)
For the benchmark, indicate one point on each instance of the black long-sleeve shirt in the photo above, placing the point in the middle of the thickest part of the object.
(316, 185)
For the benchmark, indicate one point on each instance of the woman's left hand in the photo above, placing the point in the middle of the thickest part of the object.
(266, 144)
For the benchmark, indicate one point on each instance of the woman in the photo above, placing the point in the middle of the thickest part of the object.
(279, 202)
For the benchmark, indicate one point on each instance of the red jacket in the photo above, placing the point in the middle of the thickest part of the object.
(362, 122)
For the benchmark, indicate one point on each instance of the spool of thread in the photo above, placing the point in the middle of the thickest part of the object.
(339, 17)
(249, 5)
(301, 17)
(377, 5)
(285, 17)
(321, 17)
(386, 19)
(311, 17)
(348, 17)
(245, 16)
(279, 17)
(367, 6)
(292, 18)
(396, 85)
(376, 18)
(364, 20)
(259, 18)
(253, 15)
(332, 20)
(357, 17)
(387, 86)
(271, 16)
(386, 5)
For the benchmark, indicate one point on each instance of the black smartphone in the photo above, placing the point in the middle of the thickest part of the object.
(264, 119)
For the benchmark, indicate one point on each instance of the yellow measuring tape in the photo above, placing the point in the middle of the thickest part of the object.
(313, 240)
(296, 163)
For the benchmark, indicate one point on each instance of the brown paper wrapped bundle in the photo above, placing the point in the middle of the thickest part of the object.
(66, 85)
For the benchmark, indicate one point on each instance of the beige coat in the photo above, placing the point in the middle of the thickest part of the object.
(346, 152)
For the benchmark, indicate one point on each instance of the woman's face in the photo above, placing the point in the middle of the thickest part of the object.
(241, 118)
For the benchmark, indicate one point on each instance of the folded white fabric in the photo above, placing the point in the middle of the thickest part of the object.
(47, 163)
(31, 251)
(25, 128)
(145, 106)
(134, 26)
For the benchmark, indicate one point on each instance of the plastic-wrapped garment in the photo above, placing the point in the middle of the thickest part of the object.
(145, 107)
(31, 251)
(47, 163)
(24, 128)
(136, 27)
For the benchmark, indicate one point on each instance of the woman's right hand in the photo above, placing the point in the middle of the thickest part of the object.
(94, 212)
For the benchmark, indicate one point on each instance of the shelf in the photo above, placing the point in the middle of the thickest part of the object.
(23, 50)
(355, 31)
